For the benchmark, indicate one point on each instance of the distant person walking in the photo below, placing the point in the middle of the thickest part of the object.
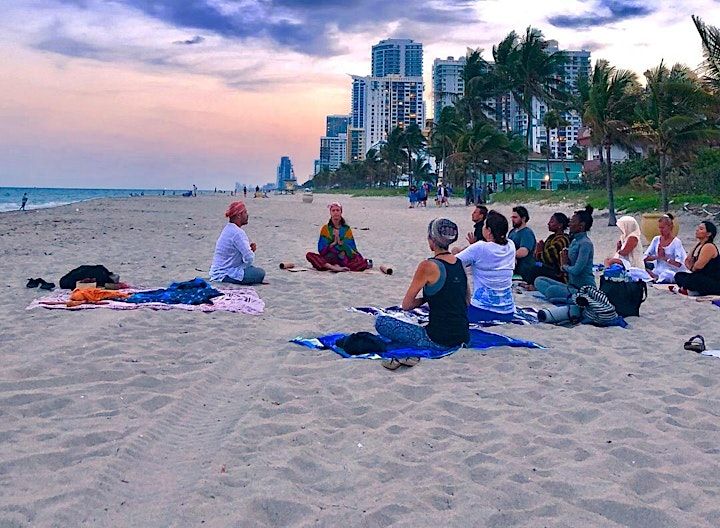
(24, 201)
(245, 191)
(194, 190)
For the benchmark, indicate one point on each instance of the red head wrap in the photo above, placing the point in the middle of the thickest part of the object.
(235, 209)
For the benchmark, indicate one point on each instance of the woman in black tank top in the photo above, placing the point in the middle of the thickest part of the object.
(703, 263)
(444, 284)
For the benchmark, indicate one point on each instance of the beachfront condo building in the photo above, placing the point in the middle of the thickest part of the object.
(333, 151)
(447, 83)
(504, 110)
(401, 57)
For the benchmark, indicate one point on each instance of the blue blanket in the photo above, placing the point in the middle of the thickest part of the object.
(479, 339)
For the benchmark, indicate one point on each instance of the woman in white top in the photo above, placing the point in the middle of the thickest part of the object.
(234, 253)
(492, 265)
(666, 251)
(629, 247)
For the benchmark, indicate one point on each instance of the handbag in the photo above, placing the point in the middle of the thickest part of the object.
(596, 306)
(625, 296)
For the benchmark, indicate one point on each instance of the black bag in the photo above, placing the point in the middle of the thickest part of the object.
(362, 343)
(626, 297)
(101, 275)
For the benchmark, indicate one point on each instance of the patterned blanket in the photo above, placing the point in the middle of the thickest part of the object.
(523, 316)
(238, 300)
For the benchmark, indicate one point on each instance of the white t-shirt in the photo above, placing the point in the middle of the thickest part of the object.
(673, 251)
(232, 254)
(492, 267)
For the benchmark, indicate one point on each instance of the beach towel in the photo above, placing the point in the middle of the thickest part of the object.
(421, 315)
(237, 300)
(479, 339)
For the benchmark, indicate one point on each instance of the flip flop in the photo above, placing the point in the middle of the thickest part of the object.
(33, 283)
(695, 344)
(409, 361)
(391, 364)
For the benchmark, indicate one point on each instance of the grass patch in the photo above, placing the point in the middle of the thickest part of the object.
(626, 199)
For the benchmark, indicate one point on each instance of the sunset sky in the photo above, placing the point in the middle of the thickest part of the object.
(166, 93)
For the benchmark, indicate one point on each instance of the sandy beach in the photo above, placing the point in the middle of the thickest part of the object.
(159, 419)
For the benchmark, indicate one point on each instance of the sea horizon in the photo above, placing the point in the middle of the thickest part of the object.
(47, 197)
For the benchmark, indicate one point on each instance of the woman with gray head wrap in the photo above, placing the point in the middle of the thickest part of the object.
(444, 287)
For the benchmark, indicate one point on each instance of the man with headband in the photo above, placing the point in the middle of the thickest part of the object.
(234, 253)
(444, 287)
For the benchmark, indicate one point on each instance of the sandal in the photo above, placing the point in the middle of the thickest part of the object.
(33, 283)
(409, 361)
(391, 364)
(695, 344)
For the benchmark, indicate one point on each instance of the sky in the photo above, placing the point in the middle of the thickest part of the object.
(167, 93)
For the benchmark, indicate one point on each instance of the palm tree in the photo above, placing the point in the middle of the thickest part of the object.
(412, 141)
(672, 116)
(612, 98)
(531, 73)
(553, 121)
(446, 132)
(710, 39)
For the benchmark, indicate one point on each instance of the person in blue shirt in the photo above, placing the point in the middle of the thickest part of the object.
(525, 242)
(576, 261)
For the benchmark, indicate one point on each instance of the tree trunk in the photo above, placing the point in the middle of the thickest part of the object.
(529, 145)
(547, 149)
(663, 182)
(410, 174)
(609, 183)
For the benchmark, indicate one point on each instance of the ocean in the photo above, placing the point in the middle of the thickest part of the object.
(41, 198)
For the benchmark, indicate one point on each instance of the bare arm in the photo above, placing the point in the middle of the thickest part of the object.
(707, 253)
(630, 244)
(423, 275)
(521, 252)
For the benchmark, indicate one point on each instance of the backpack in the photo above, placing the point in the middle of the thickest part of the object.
(596, 306)
(362, 343)
(100, 273)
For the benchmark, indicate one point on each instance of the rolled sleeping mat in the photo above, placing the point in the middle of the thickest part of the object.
(559, 314)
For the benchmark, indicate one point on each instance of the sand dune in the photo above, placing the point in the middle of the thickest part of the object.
(141, 418)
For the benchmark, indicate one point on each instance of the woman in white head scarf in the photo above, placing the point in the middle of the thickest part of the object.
(629, 247)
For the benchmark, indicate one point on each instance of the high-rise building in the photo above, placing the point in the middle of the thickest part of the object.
(333, 151)
(336, 124)
(285, 173)
(380, 104)
(563, 139)
(402, 57)
(448, 85)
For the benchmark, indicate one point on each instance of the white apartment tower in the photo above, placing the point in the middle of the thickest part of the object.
(392, 96)
(447, 81)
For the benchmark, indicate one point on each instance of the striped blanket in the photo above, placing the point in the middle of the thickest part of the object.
(523, 316)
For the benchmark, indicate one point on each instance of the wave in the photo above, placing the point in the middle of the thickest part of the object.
(14, 206)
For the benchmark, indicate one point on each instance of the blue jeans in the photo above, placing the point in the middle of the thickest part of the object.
(252, 275)
(402, 332)
(554, 291)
